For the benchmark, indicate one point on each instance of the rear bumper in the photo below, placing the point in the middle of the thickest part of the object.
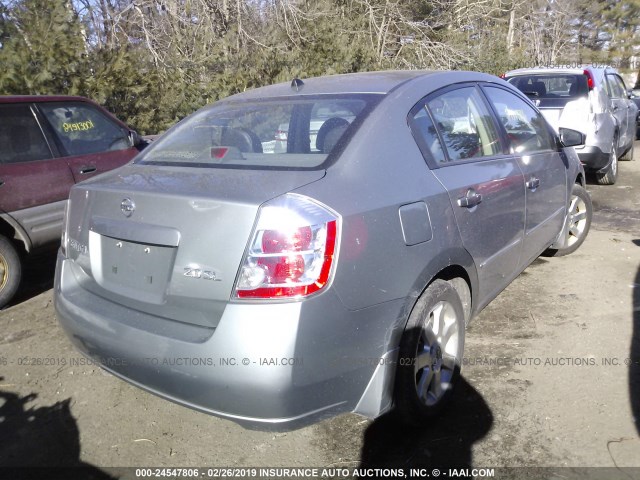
(266, 366)
(593, 158)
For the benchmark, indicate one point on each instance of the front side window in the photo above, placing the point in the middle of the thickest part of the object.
(278, 133)
(527, 129)
(82, 129)
(20, 135)
(465, 124)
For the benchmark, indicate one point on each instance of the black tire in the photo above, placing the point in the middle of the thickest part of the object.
(628, 155)
(579, 219)
(10, 270)
(610, 175)
(430, 354)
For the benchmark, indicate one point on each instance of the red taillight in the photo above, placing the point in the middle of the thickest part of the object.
(590, 83)
(219, 152)
(283, 269)
(503, 76)
(292, 252)
(274, 241)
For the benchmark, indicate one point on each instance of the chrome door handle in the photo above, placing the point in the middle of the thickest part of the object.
(533, 183)
(87, 169)
(470, 200)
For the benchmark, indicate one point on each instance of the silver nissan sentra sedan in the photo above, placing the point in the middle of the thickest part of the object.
(277, 277)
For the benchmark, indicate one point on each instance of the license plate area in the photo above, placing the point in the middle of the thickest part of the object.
(136, 270)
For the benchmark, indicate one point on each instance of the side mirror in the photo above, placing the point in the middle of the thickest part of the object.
(571, 138)
(136, 140)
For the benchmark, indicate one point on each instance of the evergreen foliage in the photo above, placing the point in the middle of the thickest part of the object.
(152, 62)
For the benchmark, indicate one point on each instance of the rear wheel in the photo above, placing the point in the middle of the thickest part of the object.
(430, 353)
(610, 175)
(628, 155)
(10, 271)
(578, 222)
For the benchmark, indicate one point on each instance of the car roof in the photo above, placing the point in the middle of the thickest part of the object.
(381, 82)
(365, 82)
(41, 98)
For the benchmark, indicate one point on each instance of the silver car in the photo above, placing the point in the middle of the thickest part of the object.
(276, 289)
(592, 100)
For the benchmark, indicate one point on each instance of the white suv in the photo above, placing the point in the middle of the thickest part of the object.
(590, 99)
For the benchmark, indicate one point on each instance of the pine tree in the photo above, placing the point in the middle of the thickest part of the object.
(43, 49)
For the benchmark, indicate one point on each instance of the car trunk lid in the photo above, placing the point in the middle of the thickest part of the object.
(552, 108)
(168, 241)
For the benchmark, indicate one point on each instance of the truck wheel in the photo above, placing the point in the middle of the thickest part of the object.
(10, 271)
(430, 353)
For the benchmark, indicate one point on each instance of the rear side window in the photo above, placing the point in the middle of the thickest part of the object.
(465, 124)
(280, 133)
(20, 136)
(552, 85)
(526, 129)
(426, 135)
(616, 86)
(82, 129)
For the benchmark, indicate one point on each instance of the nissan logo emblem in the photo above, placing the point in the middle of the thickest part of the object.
(127, 206)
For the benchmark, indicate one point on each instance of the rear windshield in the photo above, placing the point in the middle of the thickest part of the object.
(560, 85)
(297, 133)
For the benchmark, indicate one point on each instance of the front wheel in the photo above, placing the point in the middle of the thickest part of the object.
(578, 222)
(430, 353)
(10, 271)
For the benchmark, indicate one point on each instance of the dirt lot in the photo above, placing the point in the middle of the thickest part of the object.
(548, 381)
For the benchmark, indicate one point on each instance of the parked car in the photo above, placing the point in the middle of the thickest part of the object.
(48, 144)
(276, 289)
(591, 100)
(634, 95)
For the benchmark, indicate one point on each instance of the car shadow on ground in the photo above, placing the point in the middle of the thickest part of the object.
(40, 442)
(444, 443)
(634, 353)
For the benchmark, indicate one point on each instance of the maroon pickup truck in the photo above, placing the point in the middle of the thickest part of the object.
(47, 144)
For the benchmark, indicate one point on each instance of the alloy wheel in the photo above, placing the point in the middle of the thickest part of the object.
(437, 354)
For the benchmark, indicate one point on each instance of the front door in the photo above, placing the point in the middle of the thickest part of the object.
(533, 143)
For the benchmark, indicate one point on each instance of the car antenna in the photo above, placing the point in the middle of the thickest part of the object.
(297, 84)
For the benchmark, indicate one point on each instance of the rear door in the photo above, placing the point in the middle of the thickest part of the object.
(534, 145)
(92, 142)
(34, 185)
(619, 107)
(630, 109)
(485, 186)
